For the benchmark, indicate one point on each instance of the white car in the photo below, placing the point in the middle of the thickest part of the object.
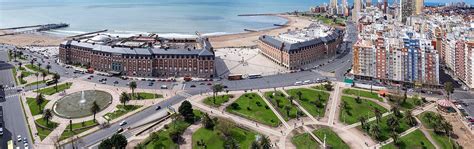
(298, 83)
(123, 123)
(307, 82)
(19, 138)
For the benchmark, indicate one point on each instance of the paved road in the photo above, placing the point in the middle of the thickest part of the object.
(13, 115)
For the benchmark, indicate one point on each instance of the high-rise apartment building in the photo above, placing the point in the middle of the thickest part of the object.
(407, 8)
(419, 5)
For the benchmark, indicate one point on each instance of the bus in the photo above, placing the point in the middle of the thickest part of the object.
(254, 76)
(235, 77)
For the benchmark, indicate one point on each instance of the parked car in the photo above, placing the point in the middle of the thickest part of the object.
(158, 108)
(123, 123)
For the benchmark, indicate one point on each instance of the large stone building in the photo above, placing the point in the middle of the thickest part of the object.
(297, 48)
(142, 56)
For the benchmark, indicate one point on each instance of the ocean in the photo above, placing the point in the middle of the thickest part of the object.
(150, 16)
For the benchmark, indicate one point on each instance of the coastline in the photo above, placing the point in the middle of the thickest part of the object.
(242, 39)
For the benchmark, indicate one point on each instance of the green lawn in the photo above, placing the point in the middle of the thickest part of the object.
(362, 93)
(332, 139)
(416, 139)
(144, 96)
(34, 108)
(309, 100)
(214, 140)
(252, 106)
(221, 99)
(357, 110)
(320, 87)
(410, 103)
(36, 83)
(77, 128)
(444, 141)
(304, 141)
(385, 129)
(52, 90)
(121, 110)
(14, 75)
(161, 138)
(26, 73)
(35, 68)
(44, 132)
(273, 97)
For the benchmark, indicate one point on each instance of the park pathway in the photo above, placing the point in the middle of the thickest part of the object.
(301, 107)
(274, 110)
(188, 136)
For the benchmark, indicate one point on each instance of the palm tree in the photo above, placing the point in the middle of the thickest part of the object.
(44, 74)
(48, 67)
(378, 114)
(37, 87)
(56, 78)
(39, 65)
(216, 88)
(393, 122)
(448, 128)
(21, 76)
(47, 115)
(133, 86)
(409, 117)
(265, 142)
(362, 120)
(287, 108)
(299, 94)
(374, 131)
(449, 88)
(291, 99)
(32, 62)
(20, 64)
(395, 138)
(39, 100)
(124, 98)
(95, 108)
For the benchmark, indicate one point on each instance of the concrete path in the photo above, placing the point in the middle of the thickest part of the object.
(188, 136)
(427, 134)
(300, 107)
(274, 110)
(334, 102)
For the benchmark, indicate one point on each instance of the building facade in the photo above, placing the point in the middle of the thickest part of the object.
(165, 61)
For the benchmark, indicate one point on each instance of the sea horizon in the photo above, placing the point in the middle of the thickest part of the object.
(125, 17)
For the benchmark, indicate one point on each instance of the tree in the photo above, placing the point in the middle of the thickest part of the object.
(44, 74)
(291, 99)
(410, 119)
(447, 127)
(32, 62)
(39, 65)
(287, 108)
(396, 111)
(124, 98)
(231, 143)
(133, 86)
(255, 145)
(378, 114)
(106, 144)
(95, 108)
(216, 88)
(225, 126)
(19, 64)
(37, 74)
(374, 131)
(39, 100)
(186, 110)
(47, 115)
(118, 140)
(362, 120)
(358, 100)
(449, 88)
(48, 67)
(393, 122)
(207, 121)
(328, 86)
(299, 94)
(278, 101)
(56, 78)
(265, 142)
(395, 138)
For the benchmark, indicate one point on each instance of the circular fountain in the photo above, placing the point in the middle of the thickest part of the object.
(78, 104)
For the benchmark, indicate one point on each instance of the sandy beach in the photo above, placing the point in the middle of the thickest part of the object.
(244, 39)
(249, 38)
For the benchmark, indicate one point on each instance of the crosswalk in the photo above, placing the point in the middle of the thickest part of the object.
(12, 88)
(184, 94)
(11, 96)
